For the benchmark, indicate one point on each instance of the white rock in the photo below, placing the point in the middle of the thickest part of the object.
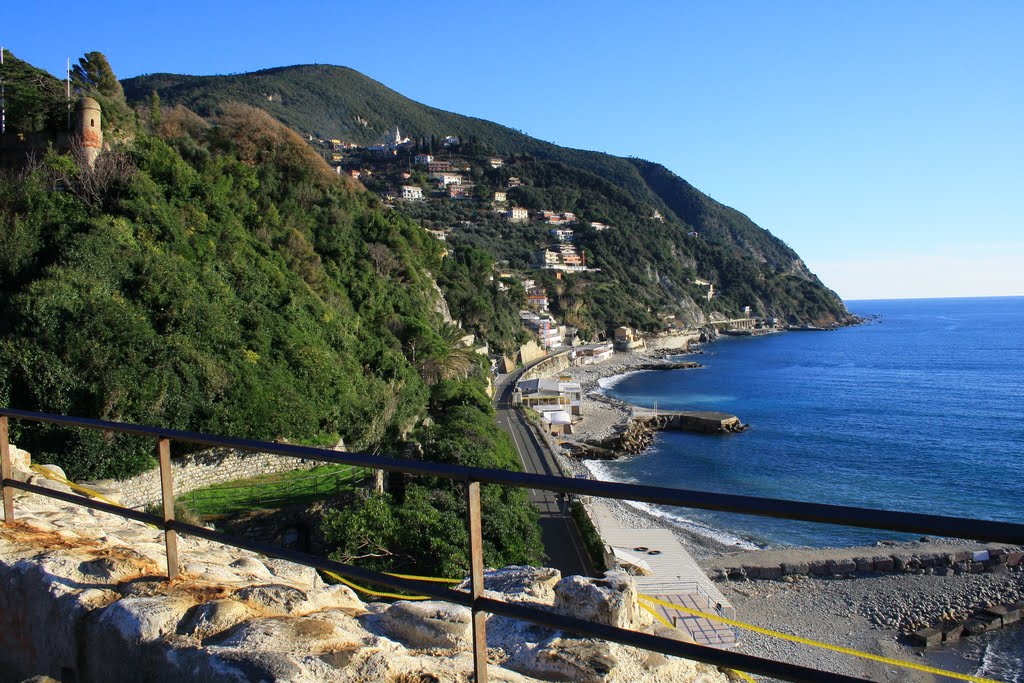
(252, 567)
(214, 617)
(565, 659)
(611, 600)
(429, 623)
(21, 461)
(55, 470)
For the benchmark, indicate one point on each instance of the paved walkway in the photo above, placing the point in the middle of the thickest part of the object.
(670, 574)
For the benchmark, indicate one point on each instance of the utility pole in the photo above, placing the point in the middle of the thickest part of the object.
(3, 100)
(67, 80)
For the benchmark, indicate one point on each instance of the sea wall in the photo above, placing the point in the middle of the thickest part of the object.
(196, 470)
(848, 563)
(672, 341)
(551, 365)
(86, 599)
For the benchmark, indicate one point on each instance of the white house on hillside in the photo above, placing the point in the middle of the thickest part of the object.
(412, 192)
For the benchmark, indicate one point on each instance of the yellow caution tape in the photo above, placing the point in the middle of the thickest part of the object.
(818, 643)
(368, 591)
(657, 616)
(39, 469)
(666, 622)
(432, 579)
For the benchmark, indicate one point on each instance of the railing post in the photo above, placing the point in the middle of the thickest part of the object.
(5, 472)
(167, 494)
(476, 580)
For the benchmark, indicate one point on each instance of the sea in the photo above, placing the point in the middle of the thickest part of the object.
(919, 409)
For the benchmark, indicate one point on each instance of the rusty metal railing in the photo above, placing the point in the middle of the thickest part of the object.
(472, 477)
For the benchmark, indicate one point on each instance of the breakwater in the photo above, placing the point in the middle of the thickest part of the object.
(638, 434)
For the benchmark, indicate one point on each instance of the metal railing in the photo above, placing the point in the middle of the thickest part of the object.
(472, 477)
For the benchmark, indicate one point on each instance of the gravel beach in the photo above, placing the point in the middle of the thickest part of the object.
(864, 613)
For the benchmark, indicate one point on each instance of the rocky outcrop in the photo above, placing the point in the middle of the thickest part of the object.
(86, 598)
(674, 365)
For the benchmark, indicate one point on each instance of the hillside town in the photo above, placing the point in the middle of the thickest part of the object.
(450, 172)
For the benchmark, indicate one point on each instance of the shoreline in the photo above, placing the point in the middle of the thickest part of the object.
(865, 612)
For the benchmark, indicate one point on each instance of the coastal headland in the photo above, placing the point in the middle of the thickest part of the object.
(930, 584)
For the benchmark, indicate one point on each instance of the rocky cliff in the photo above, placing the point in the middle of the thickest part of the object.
(86, 599)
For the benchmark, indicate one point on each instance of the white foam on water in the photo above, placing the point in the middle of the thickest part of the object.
(599, 470)
(609, 382)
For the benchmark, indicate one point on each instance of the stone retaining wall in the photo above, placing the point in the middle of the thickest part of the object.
(681, 341)
(993, 560)
(197, 470)
(547, 367)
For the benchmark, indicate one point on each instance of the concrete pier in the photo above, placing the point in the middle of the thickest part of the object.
(702, 421)
(667, 572)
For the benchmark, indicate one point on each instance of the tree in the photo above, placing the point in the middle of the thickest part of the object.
(93, 77)
(155, 114)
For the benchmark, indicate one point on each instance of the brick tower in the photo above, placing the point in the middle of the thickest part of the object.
(90, 133)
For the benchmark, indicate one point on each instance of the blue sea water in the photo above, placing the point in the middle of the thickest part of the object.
(920, 409)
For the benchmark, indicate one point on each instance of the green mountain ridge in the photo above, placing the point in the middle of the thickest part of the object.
(333, 101)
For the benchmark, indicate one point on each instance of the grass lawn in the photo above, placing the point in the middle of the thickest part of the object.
(269, 491)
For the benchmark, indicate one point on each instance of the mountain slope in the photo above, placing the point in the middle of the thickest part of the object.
(330, 101)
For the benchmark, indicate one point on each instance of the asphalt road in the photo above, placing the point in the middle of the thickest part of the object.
(561, 538)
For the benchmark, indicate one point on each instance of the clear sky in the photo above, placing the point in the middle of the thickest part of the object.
(884, 141)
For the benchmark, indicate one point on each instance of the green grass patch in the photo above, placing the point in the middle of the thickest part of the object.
(271, 491)
(592, 540)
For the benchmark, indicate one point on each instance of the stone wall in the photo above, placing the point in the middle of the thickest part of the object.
(551, 365)
(197, 470)
(676, 340)
(989, 558)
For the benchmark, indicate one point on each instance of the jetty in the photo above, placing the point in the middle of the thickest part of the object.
(702, 421)
(663, 569)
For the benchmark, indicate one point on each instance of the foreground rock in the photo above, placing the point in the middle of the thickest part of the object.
(85, 599)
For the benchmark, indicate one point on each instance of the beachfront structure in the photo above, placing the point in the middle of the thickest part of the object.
(592, 353)
(627, 339)
(556, 421)
(545, 395)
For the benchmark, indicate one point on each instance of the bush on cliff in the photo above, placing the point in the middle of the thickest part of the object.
(222, 280)
(422, 528)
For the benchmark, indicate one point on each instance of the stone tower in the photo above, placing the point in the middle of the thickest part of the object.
(90, 132)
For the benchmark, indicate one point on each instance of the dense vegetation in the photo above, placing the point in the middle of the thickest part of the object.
(336, 102)
(423, 524)
(216, 275)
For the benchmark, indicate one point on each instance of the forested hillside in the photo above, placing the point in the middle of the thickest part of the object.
(216, 275)
(647, 268)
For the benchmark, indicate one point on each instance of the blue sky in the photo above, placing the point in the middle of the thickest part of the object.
(883, 141)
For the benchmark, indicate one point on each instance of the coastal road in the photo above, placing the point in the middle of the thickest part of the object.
(561, 538)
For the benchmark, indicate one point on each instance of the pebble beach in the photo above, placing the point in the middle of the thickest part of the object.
(868, 613)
